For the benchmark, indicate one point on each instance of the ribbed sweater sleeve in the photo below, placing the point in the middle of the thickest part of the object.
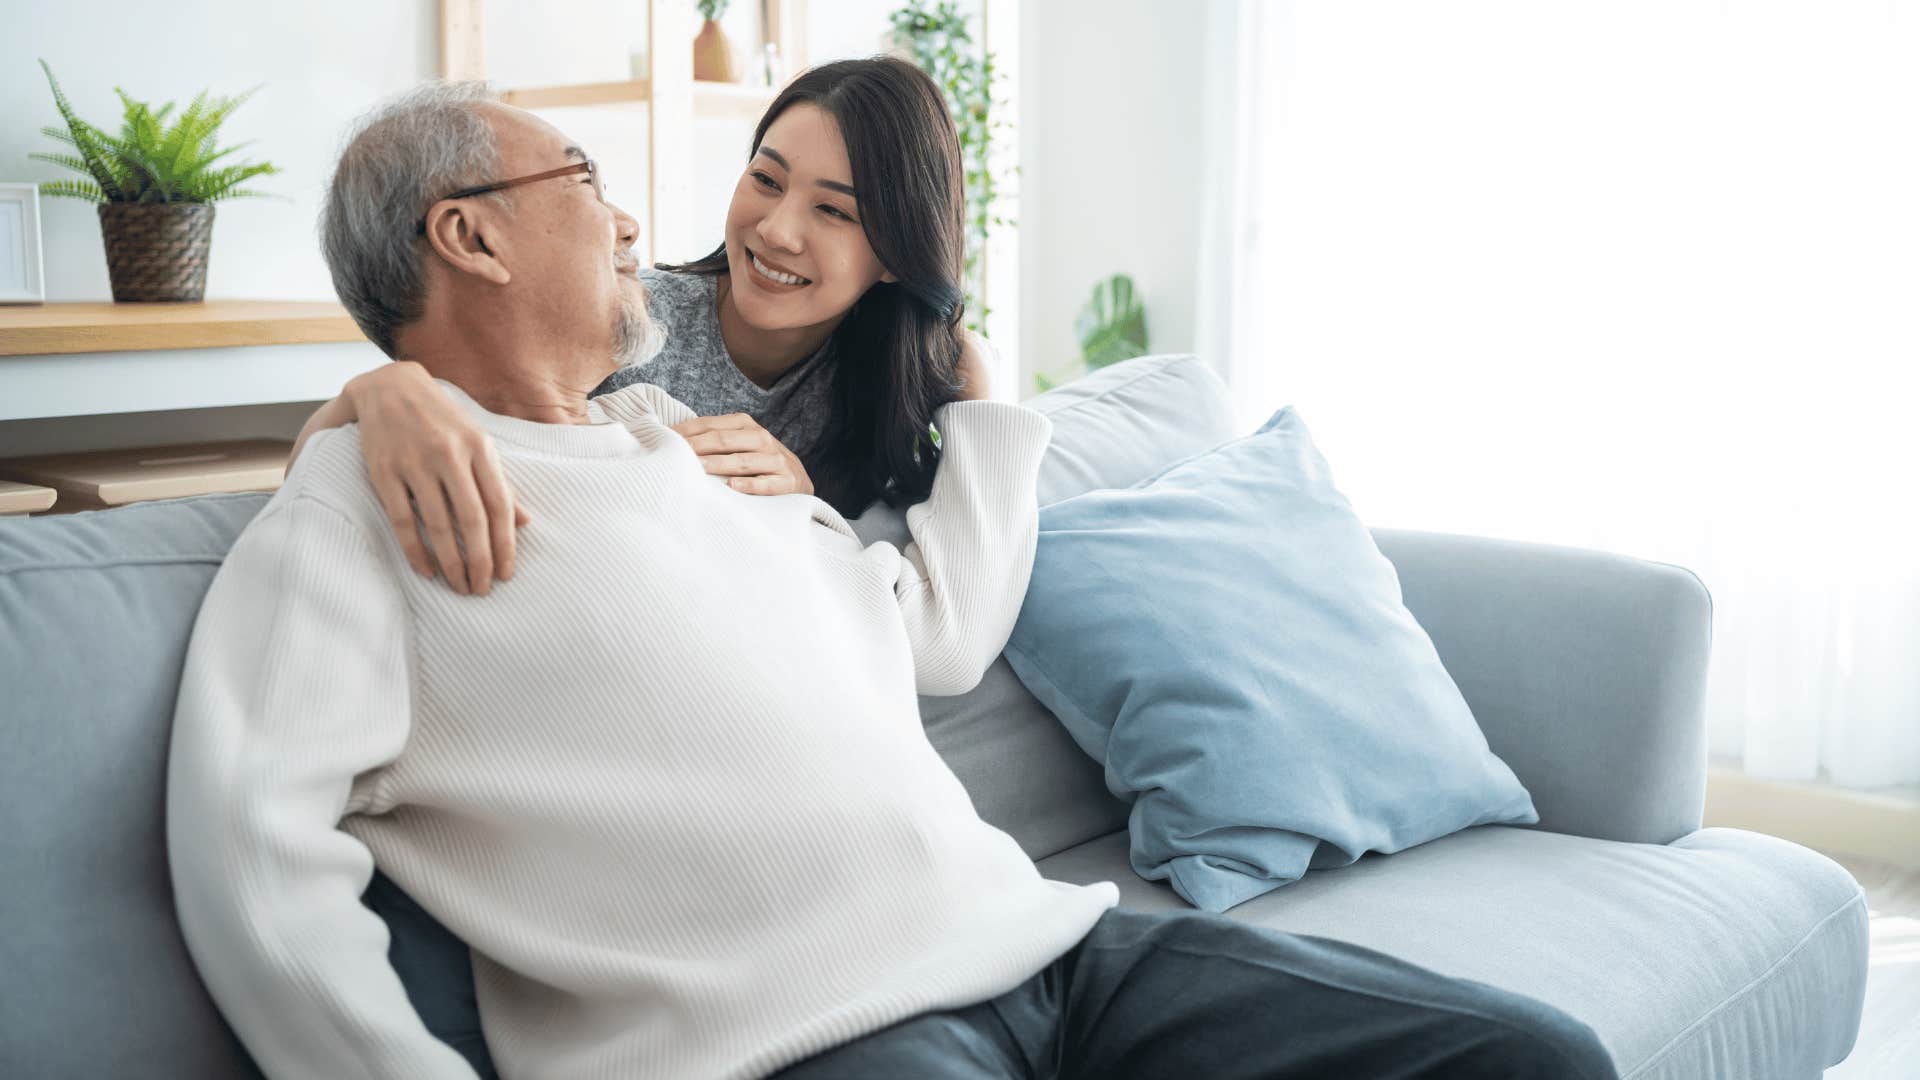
(964, 576)
(295, 694)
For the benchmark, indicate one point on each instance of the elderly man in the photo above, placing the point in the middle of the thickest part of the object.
(674, 851)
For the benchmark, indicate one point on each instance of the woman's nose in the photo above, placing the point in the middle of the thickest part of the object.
(782, 228)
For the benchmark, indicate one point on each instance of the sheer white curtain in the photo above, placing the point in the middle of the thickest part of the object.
(1641, 275)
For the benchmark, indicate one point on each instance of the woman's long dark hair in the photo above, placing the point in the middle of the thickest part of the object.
(897, 350)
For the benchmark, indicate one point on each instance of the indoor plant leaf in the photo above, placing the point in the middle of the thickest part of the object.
(1113, 325)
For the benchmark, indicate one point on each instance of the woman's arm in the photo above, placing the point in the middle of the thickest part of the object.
(335, 413)
(434, 469)
(962, 578)
(977, 358)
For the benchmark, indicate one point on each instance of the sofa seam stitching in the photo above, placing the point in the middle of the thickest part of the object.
(110, 564)
(1857, 899)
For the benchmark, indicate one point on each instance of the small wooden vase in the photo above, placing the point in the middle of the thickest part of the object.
(712, 54)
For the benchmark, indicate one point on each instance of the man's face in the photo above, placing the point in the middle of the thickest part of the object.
(569, 253)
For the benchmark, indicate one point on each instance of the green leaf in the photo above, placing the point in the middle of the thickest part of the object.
(152, 160)
(65, 161)
(1113, 325)
(85, 137)
(939, 39)
(73, 189)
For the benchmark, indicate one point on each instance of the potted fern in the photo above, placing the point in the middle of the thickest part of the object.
(155, 185)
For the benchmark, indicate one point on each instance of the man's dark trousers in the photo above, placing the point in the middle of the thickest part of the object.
(1164, 996)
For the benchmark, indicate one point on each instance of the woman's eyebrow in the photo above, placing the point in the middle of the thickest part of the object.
(831, 185)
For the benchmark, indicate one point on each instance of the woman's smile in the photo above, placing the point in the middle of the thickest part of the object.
(771, 276)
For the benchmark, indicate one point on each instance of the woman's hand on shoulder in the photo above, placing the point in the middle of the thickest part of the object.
(753, 461)
(435, 470)
(976, 357)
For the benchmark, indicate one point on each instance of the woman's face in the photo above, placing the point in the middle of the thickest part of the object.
(797, 255)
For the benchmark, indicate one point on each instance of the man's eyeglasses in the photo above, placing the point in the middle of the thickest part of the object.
(592, 170)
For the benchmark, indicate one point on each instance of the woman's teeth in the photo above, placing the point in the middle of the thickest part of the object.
(784, 279)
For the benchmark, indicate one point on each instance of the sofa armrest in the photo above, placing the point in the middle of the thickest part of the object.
(1586, 671)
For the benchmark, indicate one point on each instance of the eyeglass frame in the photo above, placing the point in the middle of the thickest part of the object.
(588, 166)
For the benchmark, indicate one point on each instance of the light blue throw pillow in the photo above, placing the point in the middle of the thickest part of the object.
(1227, 640)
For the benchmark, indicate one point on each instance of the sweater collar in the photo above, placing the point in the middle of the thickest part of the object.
(600, 438)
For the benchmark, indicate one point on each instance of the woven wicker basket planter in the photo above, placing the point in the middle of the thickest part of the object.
(157, 251)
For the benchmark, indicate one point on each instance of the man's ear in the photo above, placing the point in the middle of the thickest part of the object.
(466, 239)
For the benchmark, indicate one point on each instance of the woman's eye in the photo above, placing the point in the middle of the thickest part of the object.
(834, 211)
(765, 181)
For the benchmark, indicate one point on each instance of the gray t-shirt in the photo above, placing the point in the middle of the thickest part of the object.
(695, 367)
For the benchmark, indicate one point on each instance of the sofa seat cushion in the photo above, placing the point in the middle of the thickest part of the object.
(1726, 953)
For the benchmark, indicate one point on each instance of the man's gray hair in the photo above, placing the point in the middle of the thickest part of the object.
(399, 159)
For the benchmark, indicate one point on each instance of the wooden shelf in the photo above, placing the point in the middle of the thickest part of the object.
(732, 99)
(562, 97)
(57, 329)
(118, 477)
(24, 498)
(715, 99)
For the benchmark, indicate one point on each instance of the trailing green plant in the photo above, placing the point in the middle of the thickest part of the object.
(711, 10)
(150, 161)
(1112, 326)
(935, 36)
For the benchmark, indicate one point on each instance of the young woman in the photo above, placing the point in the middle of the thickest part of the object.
(815, 341)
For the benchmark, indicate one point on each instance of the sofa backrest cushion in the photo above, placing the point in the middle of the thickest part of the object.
(1112, 428)
(95, 613)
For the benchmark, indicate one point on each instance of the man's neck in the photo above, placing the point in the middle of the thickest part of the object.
(529, 383)
(764, 355)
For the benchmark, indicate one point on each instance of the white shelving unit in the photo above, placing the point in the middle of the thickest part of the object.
(673, 98)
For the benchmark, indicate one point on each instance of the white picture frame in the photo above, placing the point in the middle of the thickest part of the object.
(23, 278)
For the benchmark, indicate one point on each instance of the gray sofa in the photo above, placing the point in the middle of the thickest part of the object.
(1692, 952)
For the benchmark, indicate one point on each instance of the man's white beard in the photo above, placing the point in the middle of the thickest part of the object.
(636, 338)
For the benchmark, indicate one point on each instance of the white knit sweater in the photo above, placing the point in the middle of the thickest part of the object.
(669, 782)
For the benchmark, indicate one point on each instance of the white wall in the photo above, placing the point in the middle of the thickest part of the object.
(1110, 172)
(321, 66)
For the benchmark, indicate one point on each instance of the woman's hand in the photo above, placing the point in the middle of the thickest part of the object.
(976, 356)
(432, 463)
(737, 447)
